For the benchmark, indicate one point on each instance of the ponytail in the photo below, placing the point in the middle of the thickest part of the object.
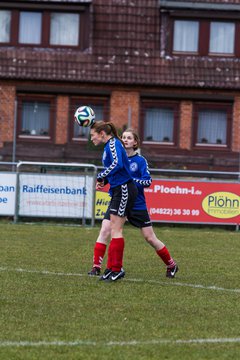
(108, 127)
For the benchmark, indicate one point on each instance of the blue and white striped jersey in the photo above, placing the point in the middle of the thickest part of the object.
(116, 165)
(141, 177)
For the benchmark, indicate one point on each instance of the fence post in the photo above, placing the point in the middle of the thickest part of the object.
(15, 218)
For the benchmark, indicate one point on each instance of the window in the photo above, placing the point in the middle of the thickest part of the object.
(186, 35)
(205, 37)
(212, 125)
(5, 21)
(159, 123)
(35, 118)
(64, 29)
(30, 27)
(222, 37)
(99, 106)
(45, 25)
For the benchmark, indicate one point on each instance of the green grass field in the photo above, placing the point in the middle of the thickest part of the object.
(51, 309)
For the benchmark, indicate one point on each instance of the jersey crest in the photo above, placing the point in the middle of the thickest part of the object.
(133, 166)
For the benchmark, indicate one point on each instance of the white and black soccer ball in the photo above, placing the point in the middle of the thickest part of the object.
(84, 116)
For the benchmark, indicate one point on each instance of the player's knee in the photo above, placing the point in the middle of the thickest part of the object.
(105, 233)
(149, 240)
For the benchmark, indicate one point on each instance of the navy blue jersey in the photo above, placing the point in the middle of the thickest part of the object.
(116, 165)
(141, 177)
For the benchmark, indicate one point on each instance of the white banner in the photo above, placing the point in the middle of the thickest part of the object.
(65, 196)
(7, 193)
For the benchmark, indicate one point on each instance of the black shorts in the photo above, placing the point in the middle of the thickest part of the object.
(137, 218)
(123, 198)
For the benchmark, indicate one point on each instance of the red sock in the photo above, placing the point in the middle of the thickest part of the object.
(109, 259)
(166, 257)
(116, 253)
(98, 255)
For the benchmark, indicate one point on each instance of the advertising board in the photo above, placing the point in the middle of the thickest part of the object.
(7, 193)
(175, 201)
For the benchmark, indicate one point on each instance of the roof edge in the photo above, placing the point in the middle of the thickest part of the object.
(173, 4)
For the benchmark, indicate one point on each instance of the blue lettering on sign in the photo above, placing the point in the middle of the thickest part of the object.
(54, 190)
(6, 188)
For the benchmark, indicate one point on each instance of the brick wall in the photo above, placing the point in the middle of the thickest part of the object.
(62, 115)
(185, 125)
(123, 104)
(7, 101)
(236, 125)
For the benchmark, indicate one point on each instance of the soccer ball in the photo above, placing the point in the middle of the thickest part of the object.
(84, 116)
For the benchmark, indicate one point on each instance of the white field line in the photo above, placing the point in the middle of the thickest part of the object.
(172, 282)
(117, 343)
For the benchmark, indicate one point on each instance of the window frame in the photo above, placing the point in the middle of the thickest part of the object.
(46, 10)
(198, 106)
(75, 102)
(234, 39)
(79, 31)
(192, 52)
(17, 36)
(36, 98)
(175, 105)
(204, 34)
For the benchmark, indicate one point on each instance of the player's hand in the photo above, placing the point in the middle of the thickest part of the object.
(99, 185)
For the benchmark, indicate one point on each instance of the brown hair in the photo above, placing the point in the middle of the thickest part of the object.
(108, 127)
(135, 136)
